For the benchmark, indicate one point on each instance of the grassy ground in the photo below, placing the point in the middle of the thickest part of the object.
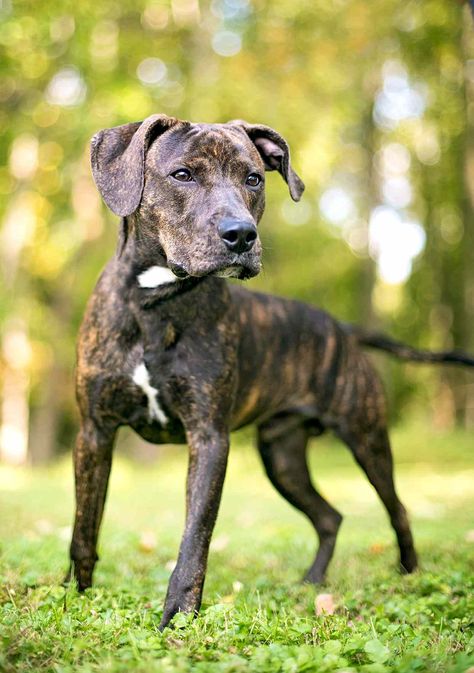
(255, 616)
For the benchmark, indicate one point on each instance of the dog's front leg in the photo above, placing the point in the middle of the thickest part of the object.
(92, 462)
(208, 451)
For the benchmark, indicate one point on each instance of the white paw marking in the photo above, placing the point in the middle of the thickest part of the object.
(142, 379)
(156, 276)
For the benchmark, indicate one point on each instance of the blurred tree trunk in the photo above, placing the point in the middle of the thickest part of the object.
(455, 311)
(46, 417)
(52, 404)
(467, 328)
(367, 268)
(369, 190)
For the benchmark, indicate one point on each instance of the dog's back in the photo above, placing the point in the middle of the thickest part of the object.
(295, 358)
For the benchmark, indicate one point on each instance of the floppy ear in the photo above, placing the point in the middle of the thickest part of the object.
(275, 153)
(118, 160)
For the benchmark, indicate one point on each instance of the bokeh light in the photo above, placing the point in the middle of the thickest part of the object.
(226, 43)
(394, 243)
(66, 88)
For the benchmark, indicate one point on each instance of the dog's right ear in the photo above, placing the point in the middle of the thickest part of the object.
(118, 161)
(275, 154)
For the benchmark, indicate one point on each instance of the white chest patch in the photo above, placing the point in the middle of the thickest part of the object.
(142, 379)
(156, 276)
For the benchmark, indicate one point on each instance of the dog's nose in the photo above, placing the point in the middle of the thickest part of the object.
(238, 235)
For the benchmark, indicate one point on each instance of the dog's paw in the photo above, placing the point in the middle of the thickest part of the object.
(408, 562)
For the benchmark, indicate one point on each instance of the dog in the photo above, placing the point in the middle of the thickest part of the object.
(171, 349)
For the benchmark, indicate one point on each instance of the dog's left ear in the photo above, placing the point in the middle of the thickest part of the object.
(275, 153)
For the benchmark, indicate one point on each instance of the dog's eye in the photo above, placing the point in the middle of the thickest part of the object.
(253, 180)
(182, 175)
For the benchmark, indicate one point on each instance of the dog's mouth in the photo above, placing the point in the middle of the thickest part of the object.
(239, 271)
(179, 271)
(234, 271)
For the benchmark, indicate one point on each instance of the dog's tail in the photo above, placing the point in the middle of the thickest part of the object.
(405, 352)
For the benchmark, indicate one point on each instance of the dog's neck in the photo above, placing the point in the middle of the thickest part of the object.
(157, 296)
(146, 274)
(166, 313)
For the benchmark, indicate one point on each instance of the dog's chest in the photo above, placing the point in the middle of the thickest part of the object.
(141, 378)
(152, 416)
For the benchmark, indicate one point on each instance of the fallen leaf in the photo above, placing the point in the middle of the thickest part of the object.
(324, 604)
(147, 541)
(175, 642)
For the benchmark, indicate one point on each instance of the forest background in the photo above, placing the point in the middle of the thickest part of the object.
(377, 103)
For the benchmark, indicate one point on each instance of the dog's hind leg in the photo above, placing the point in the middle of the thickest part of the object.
(371, 449)
(284, 458)
(92, 462)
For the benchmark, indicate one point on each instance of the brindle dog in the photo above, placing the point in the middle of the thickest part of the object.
(170, 349)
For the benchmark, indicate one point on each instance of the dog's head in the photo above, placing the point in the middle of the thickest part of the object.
(192, 193)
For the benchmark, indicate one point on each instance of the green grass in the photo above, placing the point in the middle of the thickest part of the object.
(255, 615)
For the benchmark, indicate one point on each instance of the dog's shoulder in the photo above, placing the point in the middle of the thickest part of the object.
(108, 328)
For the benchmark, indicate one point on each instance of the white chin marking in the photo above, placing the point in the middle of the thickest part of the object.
(156, 276)
(142, 379)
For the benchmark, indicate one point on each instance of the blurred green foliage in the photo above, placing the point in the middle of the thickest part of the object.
(376, 101)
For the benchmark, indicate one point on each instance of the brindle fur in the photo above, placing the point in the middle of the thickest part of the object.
(219, 356)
